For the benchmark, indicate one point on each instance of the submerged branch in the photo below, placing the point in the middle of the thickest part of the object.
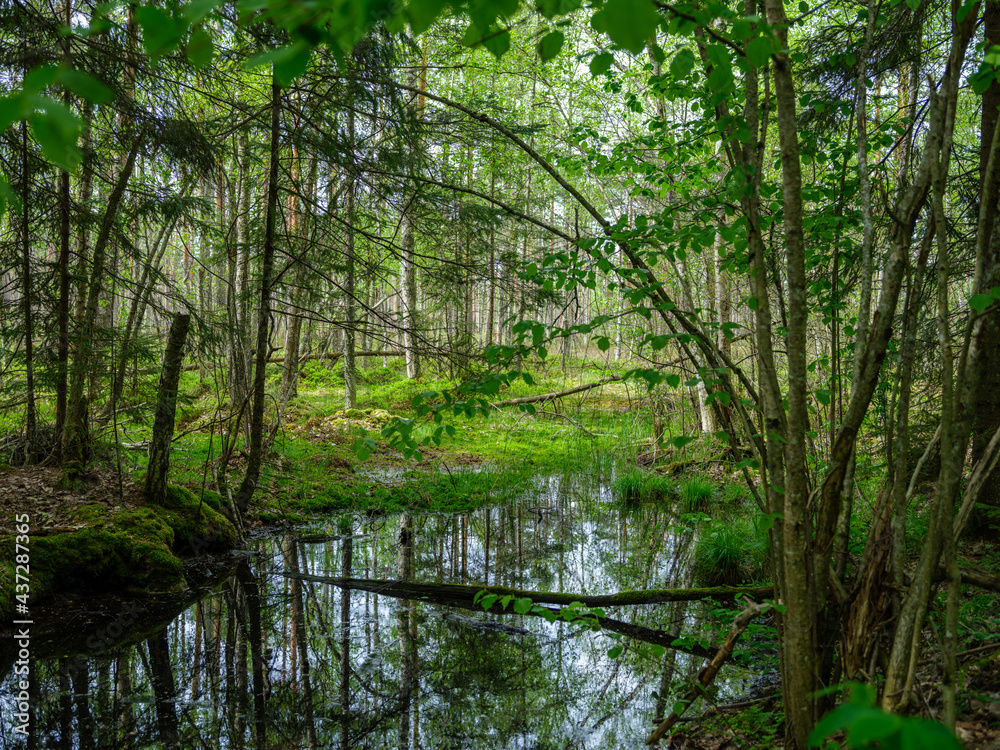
(707, 675)
(453, 595)
(459, 593)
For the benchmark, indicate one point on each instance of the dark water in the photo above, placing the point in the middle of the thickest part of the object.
(254, 658)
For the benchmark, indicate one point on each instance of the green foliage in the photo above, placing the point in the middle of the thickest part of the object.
(638, 485)
(730, 552)
(871, 727)
(695, 494)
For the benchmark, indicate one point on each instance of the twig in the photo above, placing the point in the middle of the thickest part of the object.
(707, 675)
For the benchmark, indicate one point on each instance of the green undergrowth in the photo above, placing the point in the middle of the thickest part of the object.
(639, 485)
(313, 469)
(731, 551)
(135, 550)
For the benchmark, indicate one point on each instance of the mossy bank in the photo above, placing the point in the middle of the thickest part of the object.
(132, 547)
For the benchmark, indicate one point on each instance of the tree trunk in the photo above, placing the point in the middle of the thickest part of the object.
(350, 314)
(164, 691)
(988, 404)
(252, 476)
(166, 407)
(75, 433)
(31, 428)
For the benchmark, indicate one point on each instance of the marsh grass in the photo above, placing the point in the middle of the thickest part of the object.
(637, 485)
(695, 494)
(730, 552)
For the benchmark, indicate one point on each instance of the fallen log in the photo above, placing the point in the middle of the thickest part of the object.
(458, 592)
(443, 594)
(333, 356)
(554, 395)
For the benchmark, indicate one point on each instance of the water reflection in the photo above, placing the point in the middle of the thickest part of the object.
(266, 659)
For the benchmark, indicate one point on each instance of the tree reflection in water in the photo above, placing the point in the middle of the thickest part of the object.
(266, 660)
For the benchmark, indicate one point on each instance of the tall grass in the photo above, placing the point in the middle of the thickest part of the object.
(695, 494)
(731, 552)
(637, 485)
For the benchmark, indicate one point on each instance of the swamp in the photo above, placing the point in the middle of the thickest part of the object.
(499, 374)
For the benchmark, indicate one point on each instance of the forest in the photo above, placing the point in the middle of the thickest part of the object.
(495, 374)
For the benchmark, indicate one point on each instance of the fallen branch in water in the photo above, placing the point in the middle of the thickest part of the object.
(458, 592)
(707, 675)
(443, 594)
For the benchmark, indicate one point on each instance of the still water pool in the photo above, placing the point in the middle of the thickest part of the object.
(256, 656)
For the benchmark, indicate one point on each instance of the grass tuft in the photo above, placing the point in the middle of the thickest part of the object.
(695, 494)
(637, 485)
(730, 553)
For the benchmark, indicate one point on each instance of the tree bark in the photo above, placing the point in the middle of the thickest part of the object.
(75, 433)
(459, 593)
(166, 408)
(988, 403)
(252, 476)
(31, 428)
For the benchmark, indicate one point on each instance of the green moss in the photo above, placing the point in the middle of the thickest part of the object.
(132, 551)
(197, 526)
(354, 414)
(100, 559)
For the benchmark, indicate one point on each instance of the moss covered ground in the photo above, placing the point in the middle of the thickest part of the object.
(117, 544)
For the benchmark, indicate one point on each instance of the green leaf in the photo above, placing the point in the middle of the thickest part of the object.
(422, 13)
(824, 396)
(980, 302)
(553, 8)
(57, 129)
(497, 42)
(601, 63)
(86, 86)
(522, 606)
(682, 64)
(488, 600)
(603, 343)
(615, 652)
(550, 44)
(161, 33)
(10, 111)
(195, 10)
(672, 380)
(759, 51)
(921, 734)
(7, 196)
(629, 23)
(289, 62)
(720, 78)
(200, 49)
(39, 78)
(874, 726)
